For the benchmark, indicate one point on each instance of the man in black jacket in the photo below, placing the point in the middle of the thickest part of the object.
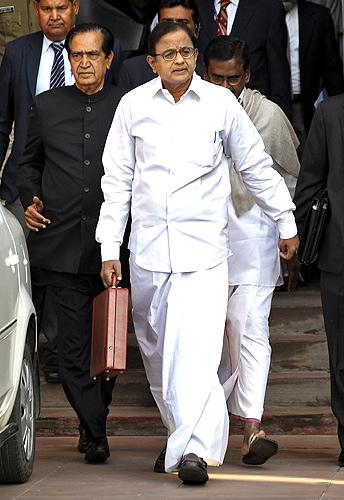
(322, 167)
(59, 185)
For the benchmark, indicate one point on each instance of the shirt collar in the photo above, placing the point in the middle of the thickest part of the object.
(47, 43)
(240, 99)
(195, 86)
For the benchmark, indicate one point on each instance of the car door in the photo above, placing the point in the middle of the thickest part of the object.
(9, 289)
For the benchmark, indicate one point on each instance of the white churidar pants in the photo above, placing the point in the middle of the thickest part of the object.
(246, 352)
(179, 320)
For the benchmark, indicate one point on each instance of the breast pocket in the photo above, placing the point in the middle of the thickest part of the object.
(208, 149)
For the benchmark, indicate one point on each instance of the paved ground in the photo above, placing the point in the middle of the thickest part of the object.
(305, 468)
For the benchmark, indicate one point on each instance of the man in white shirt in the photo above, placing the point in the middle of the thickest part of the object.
(166, 157)
(254, 267)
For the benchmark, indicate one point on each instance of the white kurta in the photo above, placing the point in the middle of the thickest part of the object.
(169, 162)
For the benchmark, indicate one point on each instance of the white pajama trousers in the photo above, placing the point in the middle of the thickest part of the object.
(179, 320)
(246, 353)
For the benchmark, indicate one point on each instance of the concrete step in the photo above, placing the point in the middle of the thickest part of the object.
(293, 388)
(305, 351)
(296, 321)
(132, 389)
(305, 297)
(298, 390)
(145, 421)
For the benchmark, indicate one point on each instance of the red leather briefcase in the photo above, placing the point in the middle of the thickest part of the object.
(109, 332)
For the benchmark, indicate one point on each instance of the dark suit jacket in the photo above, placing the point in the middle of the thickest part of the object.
(18, 77)
(320, 63)
(62, 165)
(323, 166)
(261, 23)
(136, 71)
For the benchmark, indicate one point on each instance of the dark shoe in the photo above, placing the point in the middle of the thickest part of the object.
(341, 459)
(193, 470)
(97, 452)
(52, 377)
(83, 440)
(159, 465)
(261, 449)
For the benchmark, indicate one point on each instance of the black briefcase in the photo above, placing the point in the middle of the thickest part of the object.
(313, 228)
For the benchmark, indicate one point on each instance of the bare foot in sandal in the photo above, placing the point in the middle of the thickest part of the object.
(250, 428)
(257, 448)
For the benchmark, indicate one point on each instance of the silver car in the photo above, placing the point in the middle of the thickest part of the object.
(19, 378)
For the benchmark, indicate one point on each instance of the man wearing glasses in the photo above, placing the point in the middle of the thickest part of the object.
(165, 157)
(59, 186)
(135, 71)
(254, 267)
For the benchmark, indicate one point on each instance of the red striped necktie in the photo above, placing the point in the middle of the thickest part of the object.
(222, 18)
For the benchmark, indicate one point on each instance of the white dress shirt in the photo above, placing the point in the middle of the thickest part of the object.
(46, 64)
(292, 19)
(231, 11)
(169, 160)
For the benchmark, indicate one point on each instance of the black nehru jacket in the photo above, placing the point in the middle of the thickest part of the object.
(62, 165)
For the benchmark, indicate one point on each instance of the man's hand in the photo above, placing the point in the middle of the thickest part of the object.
(288, 248)
(34, 219)
(110, 267)
(291, 269)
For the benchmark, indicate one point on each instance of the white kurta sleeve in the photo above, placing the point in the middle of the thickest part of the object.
(255, 165)
(119, 163)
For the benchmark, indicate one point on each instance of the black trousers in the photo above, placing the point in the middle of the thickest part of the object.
(47, 320)
(332, 296)
(73, 296)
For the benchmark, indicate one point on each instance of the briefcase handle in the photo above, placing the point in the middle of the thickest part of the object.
(113, 280)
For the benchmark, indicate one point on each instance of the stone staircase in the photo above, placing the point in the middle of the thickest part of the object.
(298, 393)
(297, 398)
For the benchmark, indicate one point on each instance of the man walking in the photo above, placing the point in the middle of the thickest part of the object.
(254, 266)
(59, 185)
(166, 157)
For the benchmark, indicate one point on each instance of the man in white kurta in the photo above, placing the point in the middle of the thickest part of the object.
(254, 266)
(165, 156)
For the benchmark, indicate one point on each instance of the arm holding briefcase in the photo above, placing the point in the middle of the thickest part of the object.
(109, 332)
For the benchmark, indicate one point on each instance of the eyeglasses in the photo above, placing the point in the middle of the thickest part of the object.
(92, 55)
(231, 80)
(171, 54)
